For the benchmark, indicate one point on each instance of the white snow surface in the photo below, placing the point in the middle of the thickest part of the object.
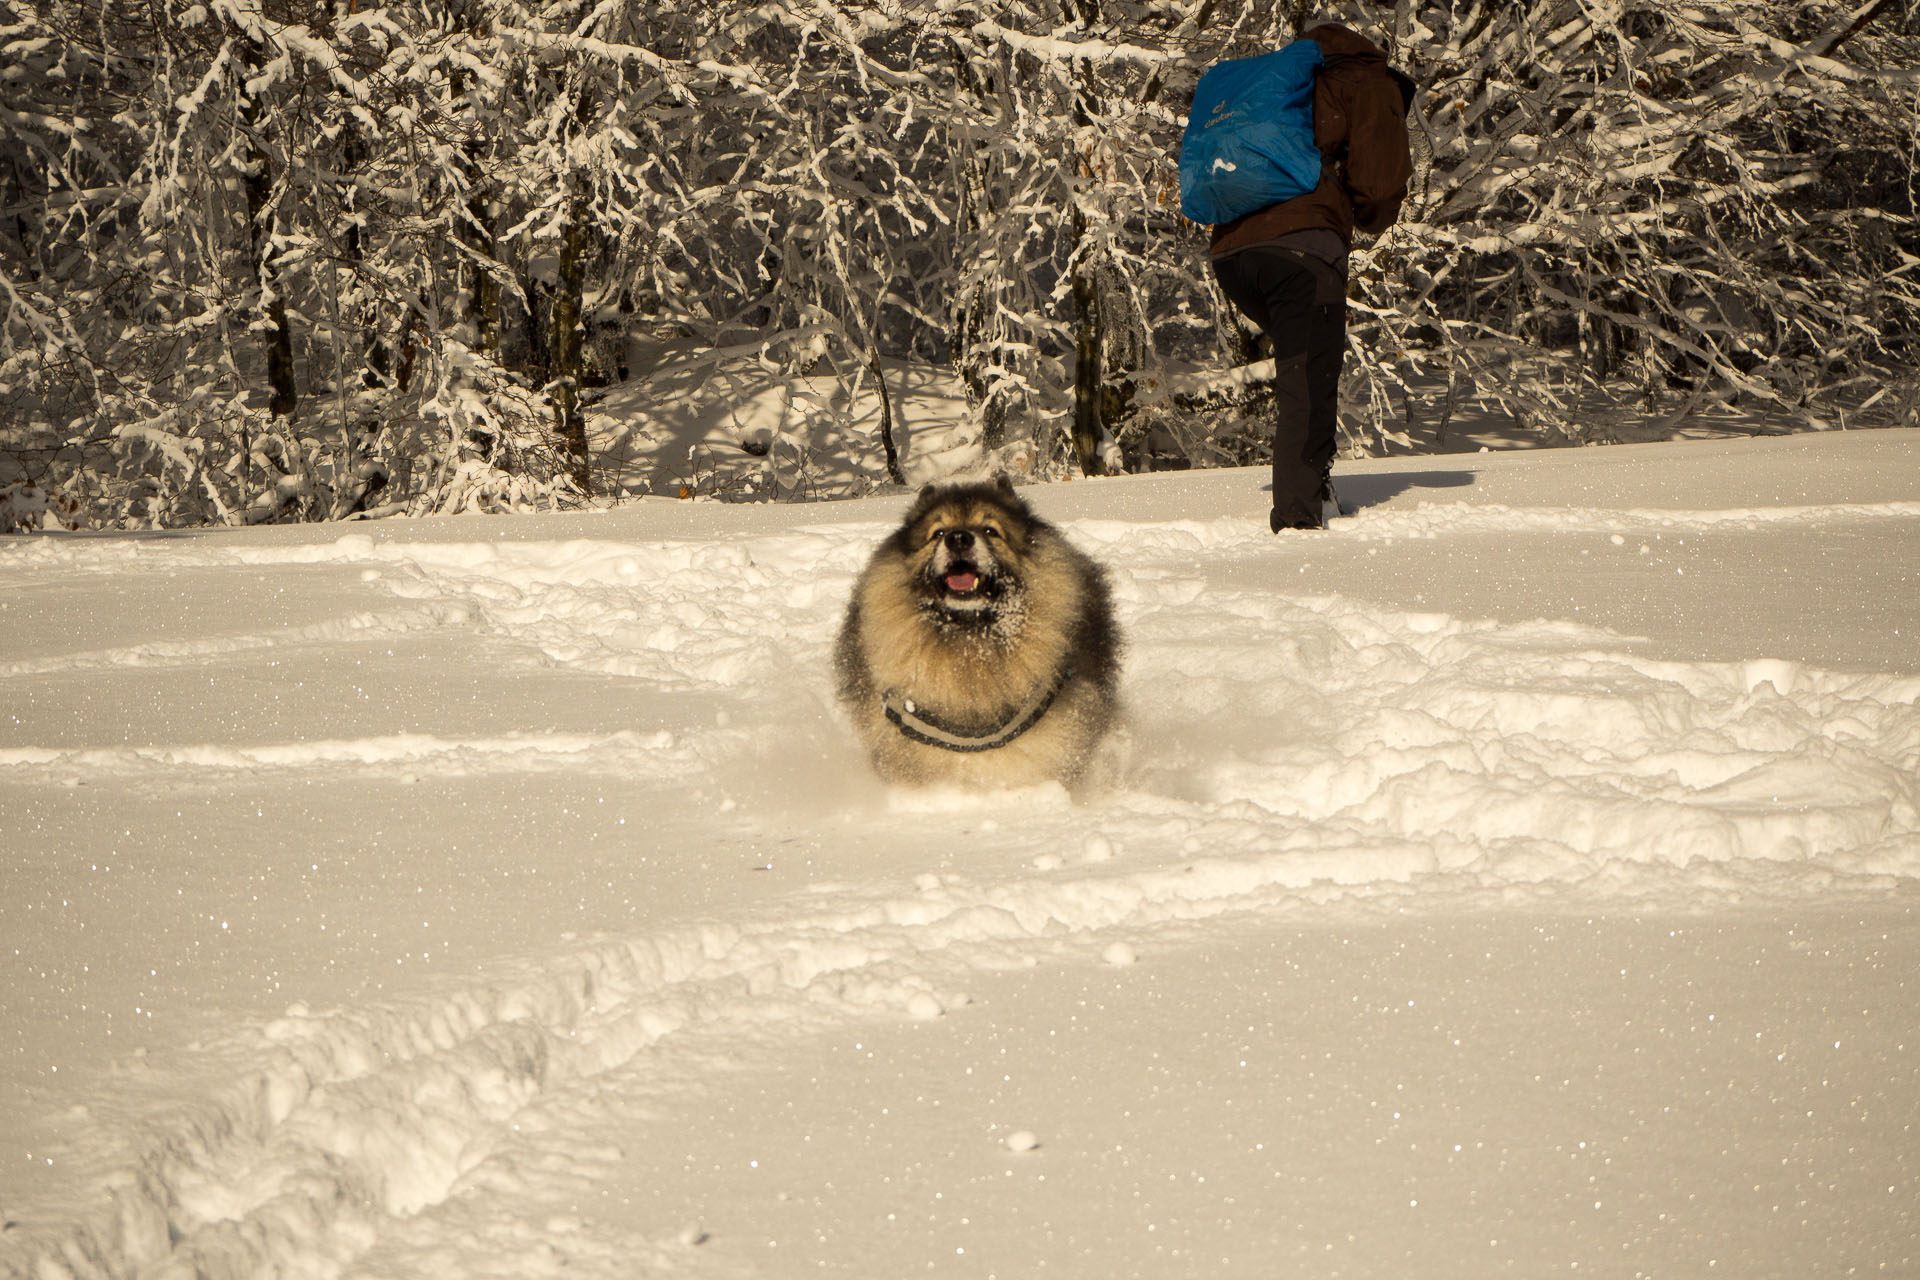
(1517, 879)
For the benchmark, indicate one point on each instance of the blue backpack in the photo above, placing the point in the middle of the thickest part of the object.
(1249, 139)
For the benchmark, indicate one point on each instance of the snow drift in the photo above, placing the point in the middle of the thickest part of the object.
(1517, 878)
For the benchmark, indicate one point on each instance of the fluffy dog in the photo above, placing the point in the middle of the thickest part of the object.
(979, 648)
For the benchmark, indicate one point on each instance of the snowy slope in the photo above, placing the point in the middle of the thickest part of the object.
(1518, 879)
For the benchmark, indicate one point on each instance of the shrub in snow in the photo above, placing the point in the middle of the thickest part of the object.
(24, 507)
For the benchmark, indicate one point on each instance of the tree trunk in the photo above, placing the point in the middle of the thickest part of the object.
(1089, 324)
(486, 295)
(993, 409)
(1088, 352)
(473, 225)
(278, 336)
(566, 336)
(376, 351)
(894, 473)
(970, 316)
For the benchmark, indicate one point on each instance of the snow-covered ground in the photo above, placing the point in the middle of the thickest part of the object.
(1519, 879)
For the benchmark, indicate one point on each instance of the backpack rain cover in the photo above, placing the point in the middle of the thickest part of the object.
(1249, 138)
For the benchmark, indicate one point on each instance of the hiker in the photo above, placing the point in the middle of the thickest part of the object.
(1284, 266)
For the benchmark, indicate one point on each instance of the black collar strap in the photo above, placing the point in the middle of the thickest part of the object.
(914, 724)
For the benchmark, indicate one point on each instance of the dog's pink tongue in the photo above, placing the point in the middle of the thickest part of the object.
(961, 582)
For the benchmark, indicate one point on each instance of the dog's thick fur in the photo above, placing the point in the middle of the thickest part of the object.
(970, 612)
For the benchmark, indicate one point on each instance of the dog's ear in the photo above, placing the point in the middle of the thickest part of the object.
(1004, 483)
(927, 499)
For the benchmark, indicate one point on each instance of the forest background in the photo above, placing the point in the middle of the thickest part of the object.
(315, 259)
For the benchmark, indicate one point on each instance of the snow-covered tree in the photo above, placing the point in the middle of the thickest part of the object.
(1704, 200)
(306, 259)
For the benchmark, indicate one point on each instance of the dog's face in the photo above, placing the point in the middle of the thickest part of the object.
(966, 545)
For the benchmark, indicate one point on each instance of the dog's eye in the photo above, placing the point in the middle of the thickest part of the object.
(990, 531)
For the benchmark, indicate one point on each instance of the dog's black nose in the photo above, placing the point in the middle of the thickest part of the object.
(959, 540)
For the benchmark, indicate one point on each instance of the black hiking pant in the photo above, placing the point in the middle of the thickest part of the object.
(1300, 303)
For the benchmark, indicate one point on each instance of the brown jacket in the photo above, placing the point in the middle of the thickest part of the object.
(1358, 100)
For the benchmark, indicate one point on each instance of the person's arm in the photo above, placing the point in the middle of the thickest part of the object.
(1379, 163)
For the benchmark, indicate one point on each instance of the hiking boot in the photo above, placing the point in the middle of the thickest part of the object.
(1278, 525)
(1326, 507)
(1330, 508)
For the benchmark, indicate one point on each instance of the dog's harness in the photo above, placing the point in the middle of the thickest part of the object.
(909, 719)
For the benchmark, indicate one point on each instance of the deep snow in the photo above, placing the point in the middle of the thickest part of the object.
(1518, 879)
